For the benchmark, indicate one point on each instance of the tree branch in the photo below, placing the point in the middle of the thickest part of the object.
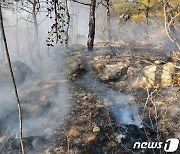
(88, 4)
(169, 23)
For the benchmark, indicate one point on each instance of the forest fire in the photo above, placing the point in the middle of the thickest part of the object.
(89, 77)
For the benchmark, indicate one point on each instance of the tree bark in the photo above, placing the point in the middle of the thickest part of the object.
(2, 54)
(68, 23)
(108, 20)
(35, 18)
(92, 24)
(147, 19)
(17, 30)
(13, 79)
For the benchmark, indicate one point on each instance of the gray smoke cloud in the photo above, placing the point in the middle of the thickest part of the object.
(48, 84)
(44, 96)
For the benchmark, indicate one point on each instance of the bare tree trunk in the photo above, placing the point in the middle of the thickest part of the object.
(17, 31)
(147, 19)
(68, 23)
(2, 54)
(108, 20)
(13, 79)
(91, 34)
(35, 18)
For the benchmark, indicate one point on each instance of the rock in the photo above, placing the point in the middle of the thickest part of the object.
(121, 85)
(119, 138)
(21, 72)
(167, 74)
(85, 98)
(73, 132)
(130, 71)
(110, 71)
(96, 129)
(75, 66)
(158, 62)
(147, 78)
(154, 76)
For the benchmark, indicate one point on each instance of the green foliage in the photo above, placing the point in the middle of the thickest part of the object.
(137, 9)
(138, 18)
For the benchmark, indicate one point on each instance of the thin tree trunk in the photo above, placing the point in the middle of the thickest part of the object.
(2, 54)
(13, 79)
(17, 31)
(56, 19)
(108, 20)
(91, 34)
(35, 18)
(68, 23)
(147, 19)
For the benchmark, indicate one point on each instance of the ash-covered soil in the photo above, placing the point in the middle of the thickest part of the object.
(106, 113)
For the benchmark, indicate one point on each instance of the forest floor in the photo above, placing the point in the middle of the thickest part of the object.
(107, 114)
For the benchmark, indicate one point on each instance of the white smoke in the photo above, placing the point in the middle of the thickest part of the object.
(126, 111)
(48, 68)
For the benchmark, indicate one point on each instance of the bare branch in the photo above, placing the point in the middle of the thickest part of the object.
(169, 23)
(88, 4)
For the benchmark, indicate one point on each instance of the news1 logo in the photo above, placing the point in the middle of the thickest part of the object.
(171, 145)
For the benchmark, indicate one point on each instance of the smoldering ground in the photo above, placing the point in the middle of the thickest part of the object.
(45, 96)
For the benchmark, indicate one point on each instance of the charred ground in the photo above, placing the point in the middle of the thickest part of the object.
(107, 115)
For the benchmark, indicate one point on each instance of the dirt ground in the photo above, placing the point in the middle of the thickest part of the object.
(101, 96)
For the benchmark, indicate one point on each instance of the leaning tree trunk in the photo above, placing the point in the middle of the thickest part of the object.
(108, 20)
(91, 34)
(35, 18)
(2, 55)
(13, 79)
